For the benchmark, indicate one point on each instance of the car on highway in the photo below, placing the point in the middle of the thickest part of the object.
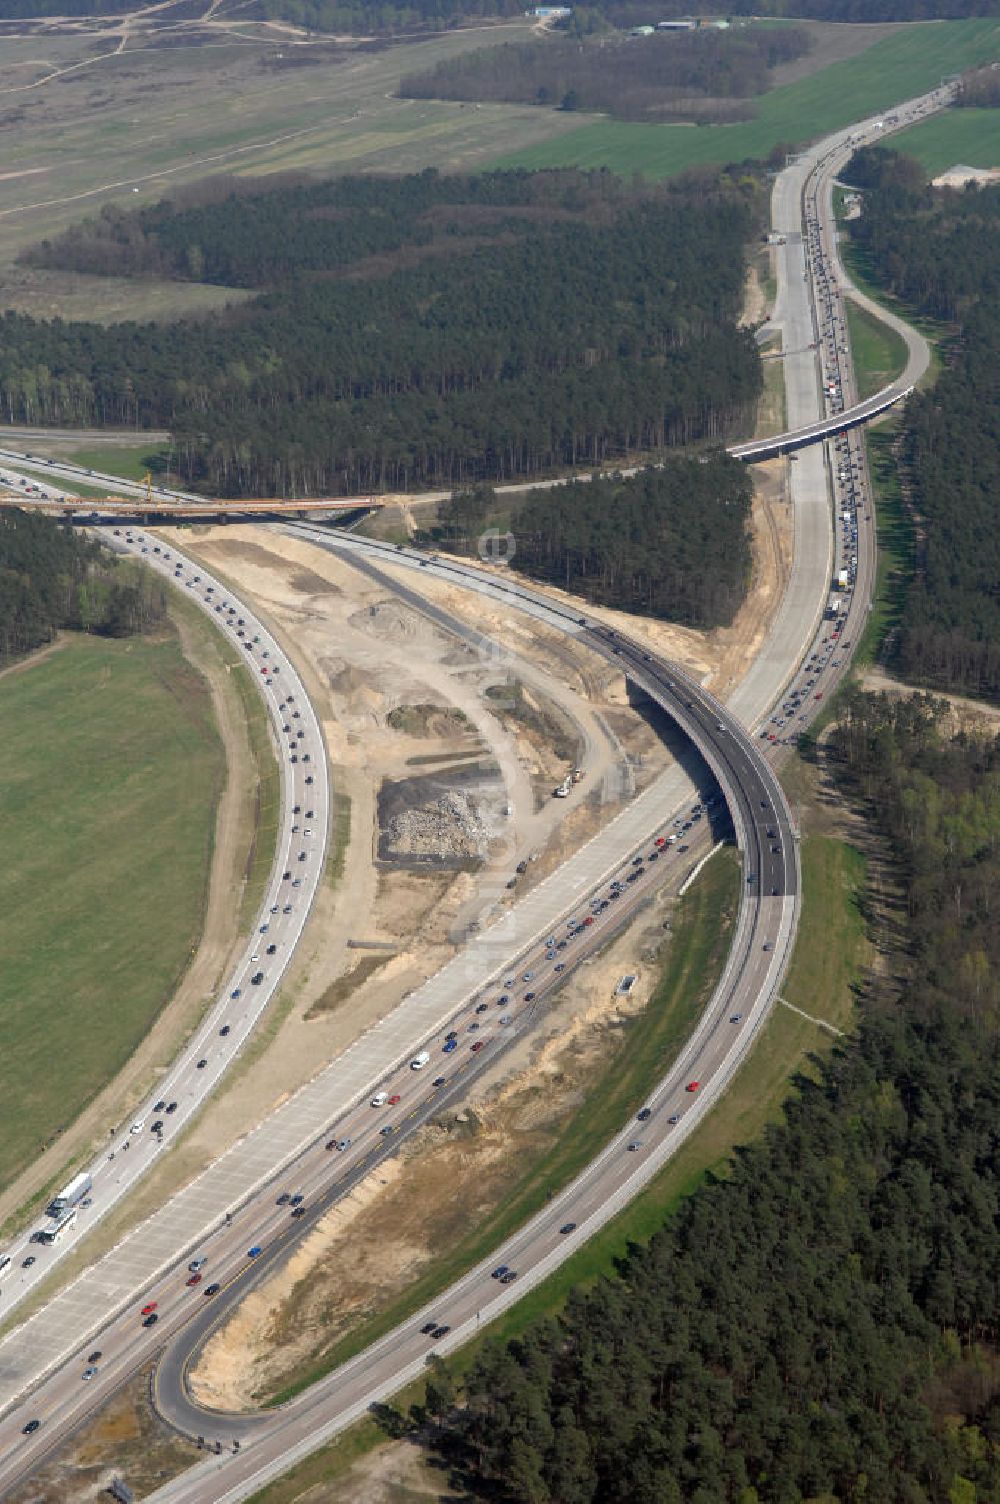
(644, 1114)
(95, 1356)
(634, 1145)
(170, 1107)
(439, 1332)
(298, 1211)
(88, 1374)
(27, 1263)
(692, 1086)
(439, 1080)
(567, 1227)
(427, 1328)
(211, 1289)
(475, 1048)
(224, 1031)
(379, 1099)
(343, 1143)
(201, 1064)
(395, 1099)
(151, 1320)
(255, 1251)
(193, 1279)
(147, 1310)
(500, 1271)
(31, 1427)
(387, 1130)
(449, 1046)
(734, 1018)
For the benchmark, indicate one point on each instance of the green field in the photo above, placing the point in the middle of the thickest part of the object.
(878, 352)
(970, 138)
(110, 770)
(895, 69)
(130, 461)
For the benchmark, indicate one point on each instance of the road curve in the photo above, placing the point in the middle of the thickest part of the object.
(185, 1085)
(497, 1296)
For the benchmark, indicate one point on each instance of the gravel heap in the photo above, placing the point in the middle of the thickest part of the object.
(452, 826)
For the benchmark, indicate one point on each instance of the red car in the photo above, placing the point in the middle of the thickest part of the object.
(194, 1280)
(660, 841)
(692, 1086)
(818, 695)
(589, 920)
(477, 1046)
(148, 1310)
(394, 1101)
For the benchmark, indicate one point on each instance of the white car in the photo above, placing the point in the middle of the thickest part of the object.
(138, 1125)
(380, 1098)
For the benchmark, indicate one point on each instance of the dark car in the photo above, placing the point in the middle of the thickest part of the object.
(427, 1328)
(298, 1211)
(439, 1080)
(283, 1199)
(30, 1428)
(211, 1289)
(644, 1114)
(159, 1106)
(95, 1356)
(440, 1331)
(224, 1030)
(257, 978)
(201, 1065)
(568, 1227)
(170, 1107)
(151, 1319)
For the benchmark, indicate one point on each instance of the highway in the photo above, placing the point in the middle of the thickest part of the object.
(764, 934)
(753, 972)
(290, 890)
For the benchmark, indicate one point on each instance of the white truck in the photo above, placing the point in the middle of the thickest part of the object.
(71, 1195)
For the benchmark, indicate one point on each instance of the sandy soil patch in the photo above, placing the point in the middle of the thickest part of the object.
(965, 714)
(146, 1454)
(455, 1170)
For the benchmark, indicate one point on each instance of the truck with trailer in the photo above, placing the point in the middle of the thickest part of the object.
(71, 1195)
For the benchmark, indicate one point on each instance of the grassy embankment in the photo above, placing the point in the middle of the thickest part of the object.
(830, 954)
(900, 67)
(110, 769)
(697, 951)
(130, 461)
(878, 352)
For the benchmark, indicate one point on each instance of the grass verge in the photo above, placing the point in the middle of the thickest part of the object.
(268, 782)
(896, 542)
(110, 769)
(340, 839)
(130, 461)
(697, 952)
(878, 352)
